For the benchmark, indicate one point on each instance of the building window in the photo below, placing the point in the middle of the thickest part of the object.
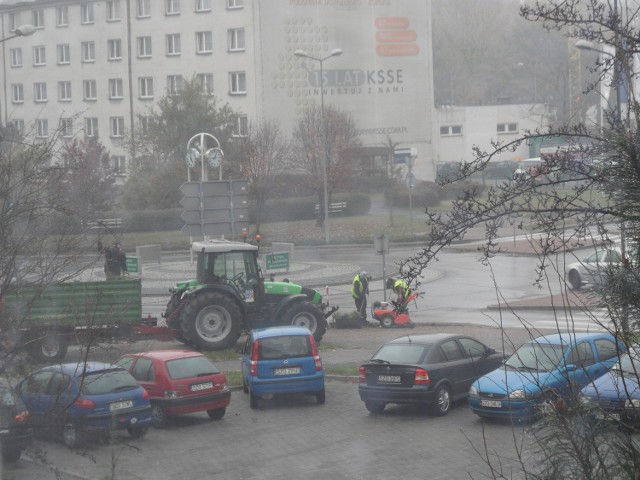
(117, 126)
(450, 130)
(115, 49)
(113, 10)
(119, 164)
(89, 90)
(91, 127)
(17, 126)
(17, 93)
(144, 123)
(37, 18)
(64, 91)
(235, 3)
(116, 88)
(237, 83)
(203, 5)
(62, 16)
(171, 7)
(242, 126)
(13, 22)
(145, 85)
(64, 55)
(235, 39)
(66, 127)
(173, 44)
(143, 8)
(204, 42)
(87, 13)
(88, 52)
(42, 128)
(174, 84)
(144, 47)
(40, 92)
(507, 128)
(16, 57)
(206, 83)
(39, 56)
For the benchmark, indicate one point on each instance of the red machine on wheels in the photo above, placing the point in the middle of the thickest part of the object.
(394, 314)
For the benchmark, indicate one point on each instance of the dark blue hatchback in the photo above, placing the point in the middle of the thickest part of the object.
(281, 360)
(77, 397)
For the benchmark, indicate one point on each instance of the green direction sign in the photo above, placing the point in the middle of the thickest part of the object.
(132, 265)
(277, 261)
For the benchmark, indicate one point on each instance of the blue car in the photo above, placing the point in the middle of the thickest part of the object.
(615, 396)
(542, 373)
(281, 360)
(76, 398)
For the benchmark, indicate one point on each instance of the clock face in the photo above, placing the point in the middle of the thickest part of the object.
(214, 157)
(191, 158)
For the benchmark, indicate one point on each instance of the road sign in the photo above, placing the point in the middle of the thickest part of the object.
(277, 261)
(381, 244)
(132, 265)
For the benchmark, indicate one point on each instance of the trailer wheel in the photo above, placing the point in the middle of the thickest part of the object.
(211, 321)
(50, 347)
(305, 314)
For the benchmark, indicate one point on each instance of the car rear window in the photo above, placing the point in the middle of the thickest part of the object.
(272, 348)
(191, 367)
(107, 381)
(401, 353)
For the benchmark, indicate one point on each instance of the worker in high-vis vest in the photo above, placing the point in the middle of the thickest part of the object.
(359, 292)
(400, 288)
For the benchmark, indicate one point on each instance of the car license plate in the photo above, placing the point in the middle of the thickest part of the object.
(286, 371)
(120, 405)
(491, 403)
(201, 386)
(388, 378)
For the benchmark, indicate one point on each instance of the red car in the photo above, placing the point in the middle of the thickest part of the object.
(179, 382)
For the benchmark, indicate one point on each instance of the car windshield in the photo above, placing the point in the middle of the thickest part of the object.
(401, 353)
(629, 363)
(272, 348)
(538, 357)
(107, 381)
(191, 367)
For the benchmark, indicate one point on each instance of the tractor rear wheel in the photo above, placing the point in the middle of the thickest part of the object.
(305, 314)
(211, 321)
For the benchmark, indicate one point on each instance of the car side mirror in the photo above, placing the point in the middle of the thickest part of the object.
(490, 351)
(571, 367)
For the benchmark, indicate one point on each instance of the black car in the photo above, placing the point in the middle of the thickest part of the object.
(432, 370)
(15, 432)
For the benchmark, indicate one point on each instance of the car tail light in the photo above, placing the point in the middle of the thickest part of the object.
(314, 352)
(145, 394)
(422, 377)
(254, 359)
(362, 378)
(84, 403)
(22, 417)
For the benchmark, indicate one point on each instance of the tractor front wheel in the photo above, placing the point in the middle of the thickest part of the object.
(211, 321)
(305, 314)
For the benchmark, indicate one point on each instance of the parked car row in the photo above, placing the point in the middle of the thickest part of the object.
(545, 373)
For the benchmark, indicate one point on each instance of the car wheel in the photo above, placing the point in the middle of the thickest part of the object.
(375, 407)
(320, 397)
(386, 321)
(575, 280)
(159, 417)
(254, 400)
(11, 454)
(138, 432)
(72, 435)
(216, 414)
(442, 403)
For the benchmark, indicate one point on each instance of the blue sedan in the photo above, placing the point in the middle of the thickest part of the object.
(75, 398)
(542, 373)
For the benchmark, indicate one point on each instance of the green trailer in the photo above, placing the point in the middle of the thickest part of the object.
(45, 321)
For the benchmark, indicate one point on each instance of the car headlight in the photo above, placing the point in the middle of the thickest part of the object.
(632, 403)
(473, 391)
(518, 395)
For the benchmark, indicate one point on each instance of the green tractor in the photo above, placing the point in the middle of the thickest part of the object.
(230, 296)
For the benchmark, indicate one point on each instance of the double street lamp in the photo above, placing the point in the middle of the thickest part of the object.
(334, 53)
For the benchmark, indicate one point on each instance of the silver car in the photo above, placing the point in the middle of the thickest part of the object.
(592, 269)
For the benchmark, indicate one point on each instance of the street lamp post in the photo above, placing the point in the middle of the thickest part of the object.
(22, 31)
(334, 53)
